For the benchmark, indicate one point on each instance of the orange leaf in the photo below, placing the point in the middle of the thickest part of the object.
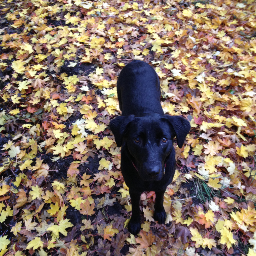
(73, 170)
(31, 109)
(87, 208)
(55, 96)
(195, 103)
(46, 125)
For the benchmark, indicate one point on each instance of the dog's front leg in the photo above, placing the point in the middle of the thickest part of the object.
(134, 223)
(160, 214)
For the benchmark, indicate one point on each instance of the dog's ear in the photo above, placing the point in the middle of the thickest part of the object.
(118, 126)
(181, 127)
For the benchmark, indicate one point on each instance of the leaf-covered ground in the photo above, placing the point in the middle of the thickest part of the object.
(61, 189)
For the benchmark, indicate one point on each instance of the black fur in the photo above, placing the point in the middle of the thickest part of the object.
(146, 136)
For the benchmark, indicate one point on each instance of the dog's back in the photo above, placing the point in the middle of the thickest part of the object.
(138, 89)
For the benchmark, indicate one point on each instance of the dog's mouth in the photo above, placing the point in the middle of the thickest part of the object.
(148, 176)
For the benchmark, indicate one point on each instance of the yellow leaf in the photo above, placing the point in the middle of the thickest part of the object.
(105, 164)
(62, 109)
(251, 252)
(17, 228)
(59, 149)
(58, 185)
(97, 42)
(109, 231)
(196, 237)
(239, 121)
(100, 128)
(242, 151)
(188, 221)
(212, 148)
(4, 189)
(198, 150)
(27, 47)
(90, 125)
(18, 66)
(63, 224)
(176, 175)
(208, 242)
(6, 213)
(209, 216)
(187, 13)
(186, 150)
(214, 183)
(14, 111)
(35, 243)
(76, 203)
(26, 165)
(71, 80)
(36, 192)
(53, 208)
(110, 183)
(105, 143)
(227, 237)
(3, 243)
(229, 200)
(123, 192)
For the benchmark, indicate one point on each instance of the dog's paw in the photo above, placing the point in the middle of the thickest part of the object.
(134, 226)
(160, 216)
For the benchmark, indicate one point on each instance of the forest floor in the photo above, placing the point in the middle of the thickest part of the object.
(61, 188)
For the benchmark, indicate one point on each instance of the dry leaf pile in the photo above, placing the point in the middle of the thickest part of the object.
(61, 189)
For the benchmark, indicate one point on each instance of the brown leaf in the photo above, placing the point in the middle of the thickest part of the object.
(183, 233)
(146, 239)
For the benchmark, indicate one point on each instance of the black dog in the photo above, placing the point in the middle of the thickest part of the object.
(146, 136)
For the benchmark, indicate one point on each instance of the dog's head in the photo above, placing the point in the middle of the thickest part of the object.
(149, 140)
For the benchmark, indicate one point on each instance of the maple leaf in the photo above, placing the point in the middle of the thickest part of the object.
(227, 237)
(36, 192)
(73, 169)
(187, 13)
(183, 233)
(105, 164)
(54, 208)
(60, 228)
(212, 148)
(109, 231)
(148, 214)
(14, 151)
(30, 225)
(3, 244)
(214, 183)
(18, 66)
(105, 143)
(196, 237)
(58, 185)
(87, 207)
(196, 103)
(35, 243)
(242, 151)
(145, 240)
(17, 228)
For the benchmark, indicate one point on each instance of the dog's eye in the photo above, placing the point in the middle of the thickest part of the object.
(164, 140)
(137, 140)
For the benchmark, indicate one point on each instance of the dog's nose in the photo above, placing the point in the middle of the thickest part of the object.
(154, 171)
